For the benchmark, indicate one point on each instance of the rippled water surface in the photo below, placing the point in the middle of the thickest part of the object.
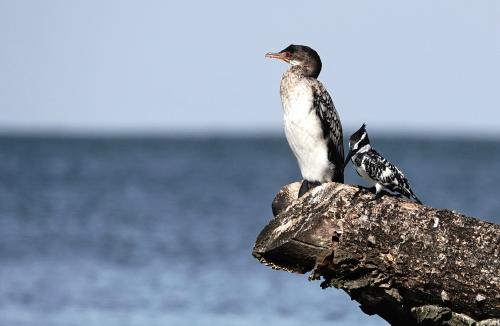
(159, 231)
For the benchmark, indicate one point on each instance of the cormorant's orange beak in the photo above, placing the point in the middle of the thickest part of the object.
(280, 55)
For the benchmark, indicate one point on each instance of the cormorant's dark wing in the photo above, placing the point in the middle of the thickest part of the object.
(332, 129)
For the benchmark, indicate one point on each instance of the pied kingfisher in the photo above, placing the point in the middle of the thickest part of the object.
(372, 167)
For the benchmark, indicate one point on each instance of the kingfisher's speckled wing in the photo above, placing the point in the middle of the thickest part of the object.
(387, 174)
(332, 129)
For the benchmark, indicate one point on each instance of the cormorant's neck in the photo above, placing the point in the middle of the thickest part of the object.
(309, 69)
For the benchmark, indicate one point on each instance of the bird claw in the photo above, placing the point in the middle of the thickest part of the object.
(306, 186)
(362, 189)
(381, 194)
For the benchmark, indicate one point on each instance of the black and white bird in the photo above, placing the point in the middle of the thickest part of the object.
(374, 168)
(311, 122)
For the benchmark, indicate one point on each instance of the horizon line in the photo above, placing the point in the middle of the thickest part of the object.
(42, 132)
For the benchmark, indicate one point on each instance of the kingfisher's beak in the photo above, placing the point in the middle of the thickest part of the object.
(280, 55)
(348, 158)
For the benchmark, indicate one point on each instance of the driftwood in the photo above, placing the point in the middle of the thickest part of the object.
(410, 264)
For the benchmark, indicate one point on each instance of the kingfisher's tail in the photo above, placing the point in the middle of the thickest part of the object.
(415, 198)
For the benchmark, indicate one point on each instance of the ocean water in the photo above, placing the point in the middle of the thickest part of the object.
(160, 231)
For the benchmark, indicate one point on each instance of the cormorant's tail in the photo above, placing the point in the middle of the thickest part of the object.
(338, 174)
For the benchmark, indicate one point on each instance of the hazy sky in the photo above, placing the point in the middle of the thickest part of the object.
(165, 66)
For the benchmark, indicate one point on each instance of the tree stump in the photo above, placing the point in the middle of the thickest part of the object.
(411, 264)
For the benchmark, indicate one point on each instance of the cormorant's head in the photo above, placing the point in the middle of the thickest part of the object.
(358, 143)
(302, 56)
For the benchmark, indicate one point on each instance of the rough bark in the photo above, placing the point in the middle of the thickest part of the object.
(411, 264)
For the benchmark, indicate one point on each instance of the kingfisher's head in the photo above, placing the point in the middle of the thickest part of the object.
(358, 143)
(301, 56)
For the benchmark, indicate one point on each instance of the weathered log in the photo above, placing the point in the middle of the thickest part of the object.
(411, 264)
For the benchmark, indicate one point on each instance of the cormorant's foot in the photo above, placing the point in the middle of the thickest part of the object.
(306, 186)
(303, 188)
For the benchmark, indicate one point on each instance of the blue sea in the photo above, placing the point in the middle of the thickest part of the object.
(159, 231)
